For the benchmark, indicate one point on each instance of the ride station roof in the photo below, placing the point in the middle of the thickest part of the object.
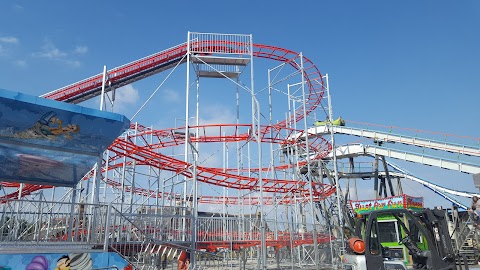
(48, 142)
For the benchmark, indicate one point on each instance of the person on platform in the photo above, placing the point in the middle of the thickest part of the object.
(475, 211)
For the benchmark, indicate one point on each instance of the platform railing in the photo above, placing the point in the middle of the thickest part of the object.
(220, 43)
(40, 222)
(44, 222)
(163, 223)
(145, 240)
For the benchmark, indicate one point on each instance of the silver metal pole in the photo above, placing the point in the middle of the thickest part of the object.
(102, 97)
(72, 212)
(187, 104)
(105, 178)
(289, 125)
(256, 130)
(94, 197)
(96, 182)
(335, 170)
(298, 206)
(272, 167)
(107, 227)
(309, 176)
(194, 210)
(194, 179)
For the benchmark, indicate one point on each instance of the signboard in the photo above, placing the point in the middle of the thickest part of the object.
(396, 202)
(414, 203)
(50, 142)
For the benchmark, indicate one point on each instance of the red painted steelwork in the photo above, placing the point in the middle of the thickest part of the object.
(144, 155)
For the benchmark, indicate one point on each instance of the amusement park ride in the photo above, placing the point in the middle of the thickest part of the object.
(282, 199)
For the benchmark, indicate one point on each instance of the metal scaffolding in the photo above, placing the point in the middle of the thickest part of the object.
(260, 192)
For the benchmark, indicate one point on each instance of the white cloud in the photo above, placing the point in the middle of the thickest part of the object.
(81, 50)
(217, 114)
(171, 95)
(124, 96)
(51, 52)
(6, 43)
(20, 63)
(18, 7)
(73, 63)
(11, 40)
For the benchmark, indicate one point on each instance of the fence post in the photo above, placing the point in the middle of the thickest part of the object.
(107, 227)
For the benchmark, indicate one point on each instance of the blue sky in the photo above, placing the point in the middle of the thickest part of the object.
(411, 64)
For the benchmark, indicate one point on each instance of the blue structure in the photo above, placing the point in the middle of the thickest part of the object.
(47, 261)
(44, 141)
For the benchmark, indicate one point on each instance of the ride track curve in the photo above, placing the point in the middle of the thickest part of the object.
(144, 155)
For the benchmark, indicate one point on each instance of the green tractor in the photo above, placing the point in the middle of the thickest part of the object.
(396, 236)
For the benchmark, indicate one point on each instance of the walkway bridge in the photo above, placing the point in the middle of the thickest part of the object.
(381, 137)
(356, 150)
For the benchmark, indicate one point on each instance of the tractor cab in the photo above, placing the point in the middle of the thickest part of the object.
(397, 235)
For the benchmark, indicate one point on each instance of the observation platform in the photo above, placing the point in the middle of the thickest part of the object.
(214, 66)
(48, 142)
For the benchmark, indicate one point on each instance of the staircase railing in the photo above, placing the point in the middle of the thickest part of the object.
(464, 229)
(32, 223)
(145, 240)
(132, 237)
(465, 238)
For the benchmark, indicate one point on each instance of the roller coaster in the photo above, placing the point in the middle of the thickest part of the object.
(286, 180)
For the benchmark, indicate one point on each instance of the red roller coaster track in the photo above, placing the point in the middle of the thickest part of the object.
(145, 155)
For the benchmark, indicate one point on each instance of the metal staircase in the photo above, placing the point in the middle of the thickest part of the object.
(57, 227)
(466, 240)
(140, 245)
(469, 247)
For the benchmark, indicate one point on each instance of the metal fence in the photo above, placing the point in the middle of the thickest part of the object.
(148, 238)
(152, 237)
(41, 221)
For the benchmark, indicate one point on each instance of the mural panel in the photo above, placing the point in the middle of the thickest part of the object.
(62, 261)
(49, 142)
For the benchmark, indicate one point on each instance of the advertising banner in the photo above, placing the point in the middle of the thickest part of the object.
(396, 202)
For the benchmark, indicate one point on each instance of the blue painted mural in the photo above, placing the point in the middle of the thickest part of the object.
(50, 142)
(62, 261)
